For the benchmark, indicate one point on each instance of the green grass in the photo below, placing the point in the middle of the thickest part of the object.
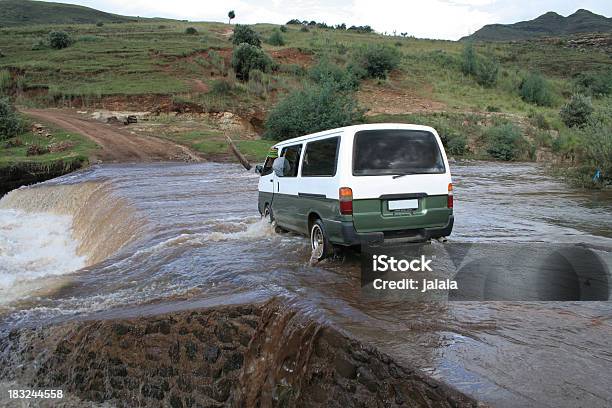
(82, 149)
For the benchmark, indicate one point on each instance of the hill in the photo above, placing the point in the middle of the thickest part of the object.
(550, 24)
(25, 12)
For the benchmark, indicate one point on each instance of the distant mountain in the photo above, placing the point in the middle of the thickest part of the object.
(550, 24)
(26, 12)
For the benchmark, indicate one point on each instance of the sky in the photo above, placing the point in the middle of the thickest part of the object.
(439, 19)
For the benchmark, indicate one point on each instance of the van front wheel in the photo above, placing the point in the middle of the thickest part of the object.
(319, 243)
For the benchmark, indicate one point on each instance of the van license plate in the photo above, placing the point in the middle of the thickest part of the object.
(403, 204)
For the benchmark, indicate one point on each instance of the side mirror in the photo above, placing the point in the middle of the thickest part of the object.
(280, 166)
(258, 169)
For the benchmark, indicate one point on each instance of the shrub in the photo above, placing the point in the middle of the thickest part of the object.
(486, 72)
(99, 24)
(10, 123)
(59, 39)
(327, 72)
(493, 108)
(505, 142)
(245, 34)
(292, 69)
(276, 38)
(191, 31)
(377, 60)
(283, 28)
(222, 87)
(596, 150)
(456, 145)
(468, 62)
(535, 89)
(5, 80)
(311, 110)
(594, 83)
(577, 111)
(247, 57)
(538, 120)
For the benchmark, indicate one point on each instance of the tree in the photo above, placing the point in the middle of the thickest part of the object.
(231, 16)
(247, 57)
(10, 123)
(245, 34)
(535, 89)
(59, 40)
(577, 111)
(468, 64)
(311, 110)
(378, 60)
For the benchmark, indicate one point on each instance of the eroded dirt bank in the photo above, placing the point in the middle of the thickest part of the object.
(237, 356)
(23, 174)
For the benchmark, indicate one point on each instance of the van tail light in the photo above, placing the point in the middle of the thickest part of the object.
(346, 201)
(450, 196)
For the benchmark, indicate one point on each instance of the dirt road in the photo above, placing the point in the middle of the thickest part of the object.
(117, 144)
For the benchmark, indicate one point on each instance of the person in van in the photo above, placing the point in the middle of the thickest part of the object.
(357, 184)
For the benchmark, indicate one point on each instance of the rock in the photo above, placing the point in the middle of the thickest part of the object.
(221, 390)
(344, 367)
(365, 377)
(234, 362)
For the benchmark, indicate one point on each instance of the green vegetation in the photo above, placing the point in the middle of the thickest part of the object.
(525, 84)
(26, 12)
(10, 123)
(378, 60)
(245, 34)
(535, 89)
(505, 142)
(59, 40)
(191, 31)
(577, 111)
(276, 39)
(311, 110)
(247, 57)
(231, 15)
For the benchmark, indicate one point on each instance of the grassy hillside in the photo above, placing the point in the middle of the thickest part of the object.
(27, 12)
(549, 24)
(186, 79)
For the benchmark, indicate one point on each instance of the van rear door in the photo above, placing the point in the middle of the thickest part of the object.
(400, 180)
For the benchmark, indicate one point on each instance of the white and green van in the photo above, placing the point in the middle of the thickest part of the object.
(364, 183)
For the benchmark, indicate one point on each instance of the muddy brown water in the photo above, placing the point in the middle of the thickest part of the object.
(155, 238)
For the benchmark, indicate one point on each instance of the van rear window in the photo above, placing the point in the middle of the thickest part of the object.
(396, 151)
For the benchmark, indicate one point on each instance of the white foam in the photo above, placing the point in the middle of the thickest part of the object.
(34, 246)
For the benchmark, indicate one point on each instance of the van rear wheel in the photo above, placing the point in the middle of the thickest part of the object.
(319, 243)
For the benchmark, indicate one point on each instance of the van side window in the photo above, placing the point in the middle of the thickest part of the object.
(292, 154)
(320, 158)
(267, 167)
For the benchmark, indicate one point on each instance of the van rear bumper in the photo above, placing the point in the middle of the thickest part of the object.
(352, 237)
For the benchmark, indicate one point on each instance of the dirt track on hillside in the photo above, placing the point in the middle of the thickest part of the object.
(116, 143)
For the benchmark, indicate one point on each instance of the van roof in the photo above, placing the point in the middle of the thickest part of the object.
(355, 128)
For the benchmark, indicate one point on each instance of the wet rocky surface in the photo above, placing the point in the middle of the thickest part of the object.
(259, 355)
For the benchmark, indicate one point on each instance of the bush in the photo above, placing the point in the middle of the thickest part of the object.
(535, 89)
(99, 24)
(247, 57)
(577, 111)
(222, 87)
(327, 72)
(596, 151)
(191, 31)
(292, 69)
(468, 62)
(377, 60)
(493, 108)
(245, 34)
(594, 83)
(456, 145)
(10, 123)
(276, 38)
(486, 72)
(283, 28)
(505, 142)
(311, 110)
(5, 80)
(538, 120)
(59, 40)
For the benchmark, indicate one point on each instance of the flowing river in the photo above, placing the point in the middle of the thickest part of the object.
(126, 240)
